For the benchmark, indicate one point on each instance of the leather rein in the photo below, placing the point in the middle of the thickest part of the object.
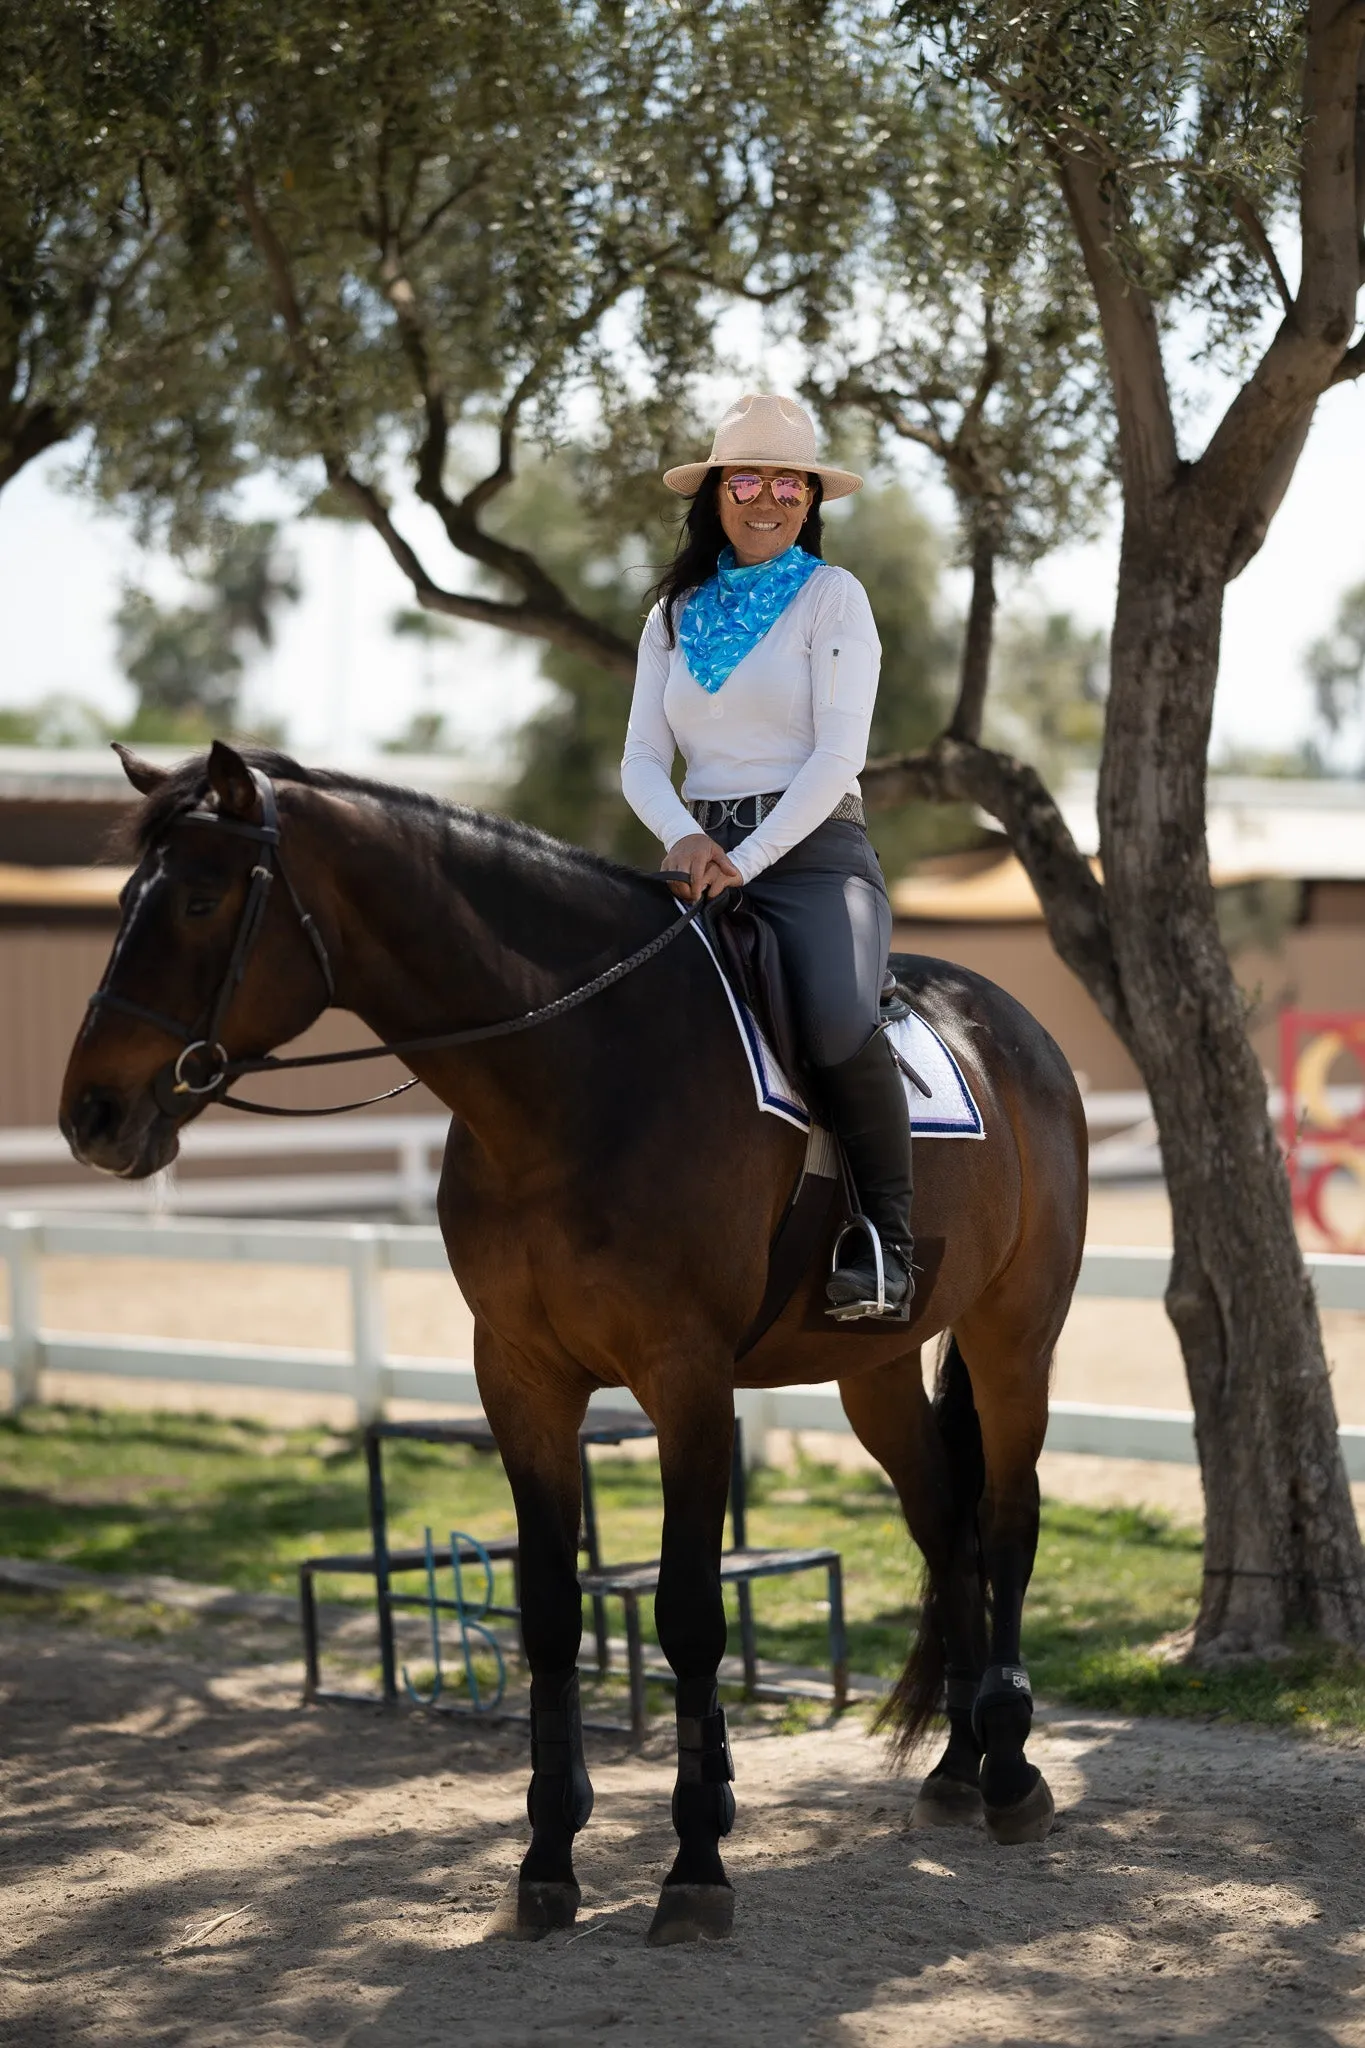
(202, 1069)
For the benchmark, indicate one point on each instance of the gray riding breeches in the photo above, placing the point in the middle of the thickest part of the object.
(827, 904)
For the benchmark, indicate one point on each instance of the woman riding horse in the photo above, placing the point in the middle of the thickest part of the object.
(759, 664)
(541, 993)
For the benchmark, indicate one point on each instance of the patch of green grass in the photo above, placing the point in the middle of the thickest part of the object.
(237, 1503)
(222, 1502)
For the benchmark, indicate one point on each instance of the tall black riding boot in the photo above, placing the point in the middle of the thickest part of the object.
(865, 1099)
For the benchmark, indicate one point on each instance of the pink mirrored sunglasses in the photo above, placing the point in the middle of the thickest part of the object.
(788, 491)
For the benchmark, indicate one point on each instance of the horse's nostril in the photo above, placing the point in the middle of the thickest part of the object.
(98, 1115)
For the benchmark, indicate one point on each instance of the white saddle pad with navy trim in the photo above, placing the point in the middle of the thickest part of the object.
(948, 1111)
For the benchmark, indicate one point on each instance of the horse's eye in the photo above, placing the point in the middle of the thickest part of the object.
(201, 906)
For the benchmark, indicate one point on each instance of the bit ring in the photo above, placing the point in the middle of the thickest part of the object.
(184, 1087)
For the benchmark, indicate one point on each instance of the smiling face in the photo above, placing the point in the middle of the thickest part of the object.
(764, 528)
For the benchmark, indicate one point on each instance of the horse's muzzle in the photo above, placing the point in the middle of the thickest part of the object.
(118, 1133)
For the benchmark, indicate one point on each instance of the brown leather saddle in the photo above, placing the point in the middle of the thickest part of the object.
(746, 947)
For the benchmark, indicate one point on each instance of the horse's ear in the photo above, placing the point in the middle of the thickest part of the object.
(143, 776)
(231, 782)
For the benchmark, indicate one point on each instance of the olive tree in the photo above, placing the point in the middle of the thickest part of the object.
(83, 222)
(444, 234)
(1190, 146)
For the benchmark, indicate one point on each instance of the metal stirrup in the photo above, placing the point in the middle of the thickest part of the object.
(869, 1230)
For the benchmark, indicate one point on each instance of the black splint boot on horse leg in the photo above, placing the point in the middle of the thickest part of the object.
(700, 1907)
(545, 1896)
(539, 1443)
(872, 1270)
(696, 1902)
(1012, 1413)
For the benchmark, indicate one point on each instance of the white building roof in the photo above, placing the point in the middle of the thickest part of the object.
(1259, 825)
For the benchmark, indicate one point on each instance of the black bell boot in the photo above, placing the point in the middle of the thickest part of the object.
(865, 1100)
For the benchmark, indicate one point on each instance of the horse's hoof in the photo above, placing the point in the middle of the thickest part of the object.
(947, 1803)
(692, 1912)
(530, 1910)
(1028, 1820)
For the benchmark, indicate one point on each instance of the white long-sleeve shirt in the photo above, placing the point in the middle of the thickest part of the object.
(792, 715)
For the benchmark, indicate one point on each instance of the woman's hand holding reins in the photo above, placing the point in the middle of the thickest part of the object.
(706, 865)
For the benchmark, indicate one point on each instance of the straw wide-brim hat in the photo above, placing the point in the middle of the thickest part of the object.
(766, 431)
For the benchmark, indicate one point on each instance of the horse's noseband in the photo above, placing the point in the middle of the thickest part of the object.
(202, 1067)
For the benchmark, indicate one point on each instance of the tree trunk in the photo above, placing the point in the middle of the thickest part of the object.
(978, 641)
(25, 435)
(1282, 1550)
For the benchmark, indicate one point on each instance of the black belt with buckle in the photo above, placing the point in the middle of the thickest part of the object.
(748, 812)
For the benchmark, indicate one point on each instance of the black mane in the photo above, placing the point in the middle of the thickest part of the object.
(187, 783)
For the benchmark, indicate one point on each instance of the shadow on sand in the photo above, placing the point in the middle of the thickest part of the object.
(1205, 1884)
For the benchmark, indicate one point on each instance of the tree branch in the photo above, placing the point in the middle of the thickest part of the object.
(754, 295)
(564, 627)
(1264, 247)
(1073, 900)
(1309, 350)
(1275, 479)
(1148, 455)
(460, 517)
(980, 497)
(272, 253)
(544, 613)
(31, 434)
(975, 672)
(1351, 364)
(437, 213)
(1330, 279)
(1360, 161)
(431, 456)
(883, 406)
(987, 377)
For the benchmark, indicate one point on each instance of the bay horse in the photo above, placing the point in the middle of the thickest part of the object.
(608, 1199)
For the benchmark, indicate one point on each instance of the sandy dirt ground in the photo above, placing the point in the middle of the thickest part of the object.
(192, 1858)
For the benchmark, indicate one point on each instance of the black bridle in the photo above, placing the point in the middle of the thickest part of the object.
(202, 1069)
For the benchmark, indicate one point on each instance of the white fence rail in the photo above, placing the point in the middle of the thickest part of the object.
(370, 1376)
(405, 1151)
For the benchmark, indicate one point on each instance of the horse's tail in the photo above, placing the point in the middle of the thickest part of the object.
(918, 1693)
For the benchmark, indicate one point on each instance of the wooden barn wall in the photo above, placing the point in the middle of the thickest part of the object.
(46, 973)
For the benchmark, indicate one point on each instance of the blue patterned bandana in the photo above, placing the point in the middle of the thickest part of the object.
(733, 610)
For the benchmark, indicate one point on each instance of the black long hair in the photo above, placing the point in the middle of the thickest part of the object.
(701, 539)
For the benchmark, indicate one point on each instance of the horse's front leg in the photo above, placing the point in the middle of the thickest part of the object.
(694, 1413)
(535, 1416)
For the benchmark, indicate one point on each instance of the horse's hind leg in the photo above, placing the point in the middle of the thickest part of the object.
(535, 1418)
(932, 1458)
(1009, 1367)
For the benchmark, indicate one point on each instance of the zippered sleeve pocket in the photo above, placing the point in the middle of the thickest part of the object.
(846, 676)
